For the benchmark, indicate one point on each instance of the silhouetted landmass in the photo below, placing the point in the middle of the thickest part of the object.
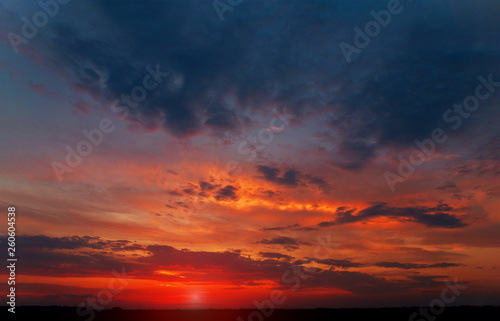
(55, 313)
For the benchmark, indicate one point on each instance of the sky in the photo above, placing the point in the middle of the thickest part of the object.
(206, 154)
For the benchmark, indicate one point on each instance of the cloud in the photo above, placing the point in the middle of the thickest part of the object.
(345, 264)
(274, 255)
(226, 193)
(408, 266)
(281, 228)
(78, 242)
(226, 262)
(480, 235)
(221, 120)
(83, 107)
(428, 280)
(85, 256)
(354, 282)
(336, 263)
(437, 216)
(207, 186)
(478, 167)
(291, 177)
(182, 204)
(42, 90)
(206, 190)
(447, 186)
(270, 193)
(174, 193)
(288, 243)
(317, 181)
(355, 154)
(189, 191)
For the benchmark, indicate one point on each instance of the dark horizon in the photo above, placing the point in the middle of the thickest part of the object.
(454, 313)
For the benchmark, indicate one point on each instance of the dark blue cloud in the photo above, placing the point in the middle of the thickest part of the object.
(279, 52)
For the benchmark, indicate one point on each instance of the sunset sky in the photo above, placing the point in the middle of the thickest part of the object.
(213, 152)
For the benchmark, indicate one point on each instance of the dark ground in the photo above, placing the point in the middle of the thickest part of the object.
(469, 313)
